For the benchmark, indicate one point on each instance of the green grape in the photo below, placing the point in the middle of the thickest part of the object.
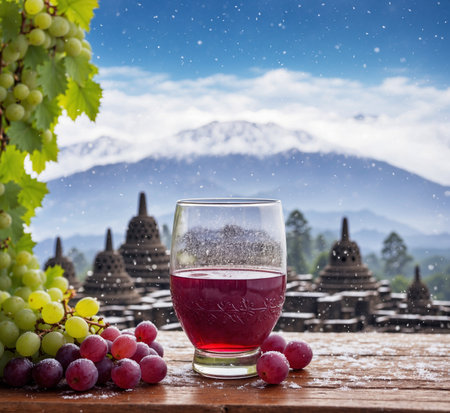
(25, 319)
(9, 99)
(20, 45)
(4, 295)
(52, 312)
(47, 136)
(37, 37)
(7, 355)
(32, 278)
(28, 344)
(87, 307)
(5, 282)
(79, 34)
(23, 257)
(56, 294)
(23, 292)
(21, 91)
(38, 299)
(35, 97)
(52, 342)
(48, 41)
(43, 277)
(6, 80)
(5, 218)
(18, 271)
(10, 54)
(33, 264)
(2, 349)
(59, 27)
(61, 283)
(3, 94)
(29, 77)
(2, 186)
(13, 304)
(14, 112)
(33, 6)
(77, 327)
(5, 259)
(9, 333)
(43, 20)
(73, 47)
(86, 44)
(86, 53)
(59, 45)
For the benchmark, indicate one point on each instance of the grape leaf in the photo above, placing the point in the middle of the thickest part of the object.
(12, 164)
(79, 99)
(78, 68)
(10, 198)
(25, 243)
(10, 19)
(49, 152)
(52, 77)
(46, 114)
(31, 195)
(53, 272)
(78, 11)
(15, 231)
(24, 136)
(36, 56)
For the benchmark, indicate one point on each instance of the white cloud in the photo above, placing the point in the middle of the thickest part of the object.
(405, 123)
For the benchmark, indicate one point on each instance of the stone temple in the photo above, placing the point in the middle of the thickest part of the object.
(146, 258)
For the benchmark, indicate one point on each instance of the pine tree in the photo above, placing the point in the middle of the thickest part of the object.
(394, 254)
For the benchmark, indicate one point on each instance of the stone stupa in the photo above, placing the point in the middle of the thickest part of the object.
(145, 256)
(65, 263)
(418, 296)
(109, 282)
(345, 270)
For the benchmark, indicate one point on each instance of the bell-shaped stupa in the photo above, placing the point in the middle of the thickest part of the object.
(109, 282)
(145, 256)
(345, 270)
(418, 296)
(65, 263)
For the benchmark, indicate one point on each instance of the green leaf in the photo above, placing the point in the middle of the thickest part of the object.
(79, 99)
(31, 195)
(53, 272)
(10, 20)
(52, 77)
(12, 164)
(10, 198)
(36, 56)
(48, 153)
(25, 243)
(46, 114)
(79, 69)
(15, 231)
(78, 11)
(24, 136)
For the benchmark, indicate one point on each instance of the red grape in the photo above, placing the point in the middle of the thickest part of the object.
(158, 348)
(272, 367)
(298, 353)
(126, 373)
(94, 348)
(142, 350)
(81, 374)
(274, 342)
(123, 346)
(47, 373)
(146, 331)
(67, 353)
(110, 333)
(104, 370)
(153, 369)
(17, 372)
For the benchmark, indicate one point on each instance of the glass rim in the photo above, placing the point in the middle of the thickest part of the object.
(227, 201)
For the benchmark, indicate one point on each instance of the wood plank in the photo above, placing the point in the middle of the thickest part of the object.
(362, 372)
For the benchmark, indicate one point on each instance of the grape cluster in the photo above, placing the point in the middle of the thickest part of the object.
(278, 357)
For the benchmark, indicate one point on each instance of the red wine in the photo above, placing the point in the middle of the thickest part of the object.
(227, 310)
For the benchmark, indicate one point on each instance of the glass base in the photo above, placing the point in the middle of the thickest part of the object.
(226, 365)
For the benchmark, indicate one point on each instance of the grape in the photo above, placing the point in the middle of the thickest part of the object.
(126, 374)
(23, 292)
(38, 299)
(87, 307)
(85, 53)
(55, 294)
(146, 331)
(7, 355)
(5, 218)
(43, 20)
(47, 373)
(81, 374)
(59, 45)
(158, 348)
(3, 296)
(52, 312)
(18, 271)
(298, 353)
(73, 47)
(104, 367)
(3, 94)
(110, 333)
(5, 282)
(274, 342)
(28, 343)
(21, 91)
(272, 367)
(77, 327)
(52, 342)
(61, 283)
(142, 350)
(13, 304)
(47, 136)
(33, 6)
(59, 27)
(48, 41)
(123, 346)
(5, 259)
(67, 353)
(9, 333)
(20, 45)
(35, 97)
(10, 54)
(17, 372)
(23, 258)
(153, 369)
(25, 319)
(32, 278)
(6, 80)
(33, 264)
(37, 37)
(14, 112)
(94, 348)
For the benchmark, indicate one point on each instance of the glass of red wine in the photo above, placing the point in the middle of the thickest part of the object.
(228, 279)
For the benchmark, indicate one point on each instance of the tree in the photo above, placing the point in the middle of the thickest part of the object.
(394, 254)
(439, 285)
(298, 240)
(400, 284)
(79, 261)
(319, 264)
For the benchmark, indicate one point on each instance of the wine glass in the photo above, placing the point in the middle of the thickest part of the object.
(228, 279)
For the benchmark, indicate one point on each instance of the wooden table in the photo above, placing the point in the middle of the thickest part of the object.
(362, 372)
